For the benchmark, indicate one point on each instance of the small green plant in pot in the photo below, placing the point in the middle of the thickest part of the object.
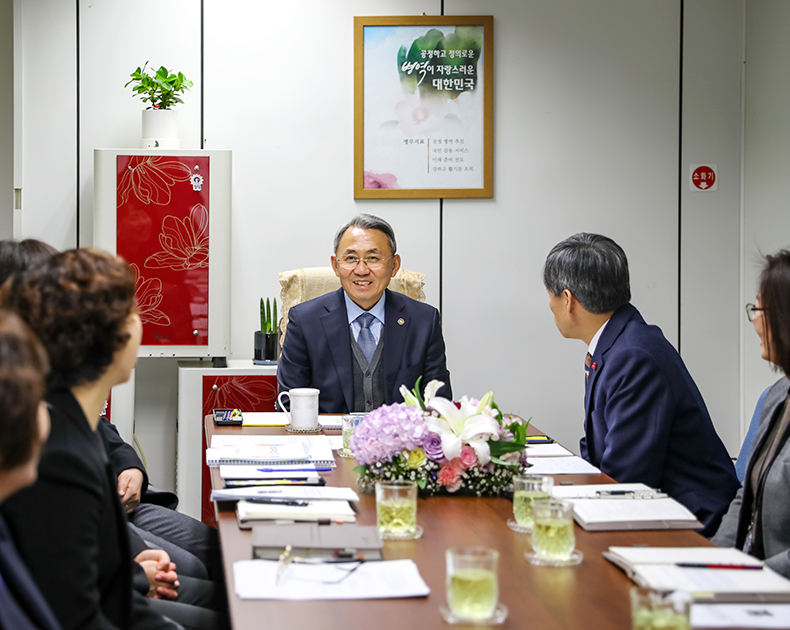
(266, 337)
(161, 89)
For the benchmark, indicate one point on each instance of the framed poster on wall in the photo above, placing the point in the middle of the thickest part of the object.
(423, 107)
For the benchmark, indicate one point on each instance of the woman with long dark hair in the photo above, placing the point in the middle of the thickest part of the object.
(758, 520)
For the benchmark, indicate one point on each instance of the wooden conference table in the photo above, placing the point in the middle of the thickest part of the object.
(591, 595)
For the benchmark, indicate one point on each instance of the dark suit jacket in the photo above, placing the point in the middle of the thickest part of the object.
(21, 585)
(645, 420)
(317, 349)
(70, 529)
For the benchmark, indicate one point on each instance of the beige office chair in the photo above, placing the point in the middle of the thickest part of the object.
(300, 285)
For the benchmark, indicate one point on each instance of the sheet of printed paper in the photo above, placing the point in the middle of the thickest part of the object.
(547, 450)
(560, 466)
(255, 579)
(285, 492)
(768, 616)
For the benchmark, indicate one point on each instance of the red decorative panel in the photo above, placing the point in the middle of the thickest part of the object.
(163, 232)
(248, 393)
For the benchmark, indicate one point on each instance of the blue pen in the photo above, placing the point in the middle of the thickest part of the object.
(287, 470)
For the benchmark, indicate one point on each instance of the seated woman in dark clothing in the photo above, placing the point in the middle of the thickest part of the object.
(70, 526)
(758, 520)
(24, 425)
(193, 546)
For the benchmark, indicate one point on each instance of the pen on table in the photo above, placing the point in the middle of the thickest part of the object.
(277, 501)
(694, 565)
(287, 470)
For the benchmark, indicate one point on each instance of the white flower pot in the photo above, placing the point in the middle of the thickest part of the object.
(160, 129)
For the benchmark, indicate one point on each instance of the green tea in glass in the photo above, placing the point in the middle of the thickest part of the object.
(526, 489)
(472, 586)
(552, 531)
(396, 509)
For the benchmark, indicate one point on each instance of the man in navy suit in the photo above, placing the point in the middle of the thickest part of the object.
(359, 344)
(645, 420)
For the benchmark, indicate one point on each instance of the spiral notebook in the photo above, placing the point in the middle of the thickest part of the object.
(252, 449)
(268, 454)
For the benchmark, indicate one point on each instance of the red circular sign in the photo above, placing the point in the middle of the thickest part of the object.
(703, 177)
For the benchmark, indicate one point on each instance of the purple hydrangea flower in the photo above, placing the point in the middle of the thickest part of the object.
(387, 431)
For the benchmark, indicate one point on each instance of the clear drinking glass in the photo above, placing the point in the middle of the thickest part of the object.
(472, 585)
(396, 509)
(553, 537)
(526, 489)
(350, 422)
(651, 610)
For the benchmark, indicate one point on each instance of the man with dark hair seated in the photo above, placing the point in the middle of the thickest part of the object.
(361, 343)
(645, 420)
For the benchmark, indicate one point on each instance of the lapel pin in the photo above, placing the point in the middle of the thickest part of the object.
(594, 366)
(401, 321)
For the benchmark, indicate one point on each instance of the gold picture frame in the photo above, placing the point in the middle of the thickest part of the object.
(423, 125)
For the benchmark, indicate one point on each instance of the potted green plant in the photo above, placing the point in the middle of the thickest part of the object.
(266, 337)
(162, 89)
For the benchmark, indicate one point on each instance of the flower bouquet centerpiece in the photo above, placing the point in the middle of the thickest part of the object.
(443, 446)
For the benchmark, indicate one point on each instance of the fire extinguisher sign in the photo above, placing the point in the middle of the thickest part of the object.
(703, 177)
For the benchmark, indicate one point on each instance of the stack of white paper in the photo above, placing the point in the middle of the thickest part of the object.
(255, 579)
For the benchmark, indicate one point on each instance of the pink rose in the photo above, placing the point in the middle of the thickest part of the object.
(468, 456)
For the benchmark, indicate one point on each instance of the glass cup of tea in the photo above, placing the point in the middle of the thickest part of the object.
(396, 509)
(472, 584)
(651, 609)
(553, 536)
(526, 490)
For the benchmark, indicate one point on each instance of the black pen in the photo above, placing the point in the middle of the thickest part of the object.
(277, 501)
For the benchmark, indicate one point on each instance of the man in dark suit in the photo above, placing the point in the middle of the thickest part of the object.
(645, 420)
(359, 344)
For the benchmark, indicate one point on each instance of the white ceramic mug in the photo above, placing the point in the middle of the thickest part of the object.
(304, 407)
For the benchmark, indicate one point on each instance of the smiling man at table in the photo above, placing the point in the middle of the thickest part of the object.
(645, 420)
(359, 344)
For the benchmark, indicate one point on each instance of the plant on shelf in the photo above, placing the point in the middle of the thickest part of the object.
(162, 89)
(266, 337)
(269, 320)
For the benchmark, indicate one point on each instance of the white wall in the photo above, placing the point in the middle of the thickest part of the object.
(711, 307)
(49, 134)
(585, 136)
(6, 119)
(766, 156)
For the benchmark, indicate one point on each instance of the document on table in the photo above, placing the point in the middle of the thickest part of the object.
(673, 568)
(255, 579)
(560, 466)
(547, 450)
(769, 616)
(619, 514)
(318, 446)
(235, 471)
(285, 492)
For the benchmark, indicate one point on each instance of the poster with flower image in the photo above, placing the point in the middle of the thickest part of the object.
(163, 233)
(423, 107)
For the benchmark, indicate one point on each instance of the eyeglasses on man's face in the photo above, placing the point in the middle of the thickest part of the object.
(752, 310)
(373, 262)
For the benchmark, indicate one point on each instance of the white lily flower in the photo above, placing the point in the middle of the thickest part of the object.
(408, 397)
(431, 389)
(462, 426)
